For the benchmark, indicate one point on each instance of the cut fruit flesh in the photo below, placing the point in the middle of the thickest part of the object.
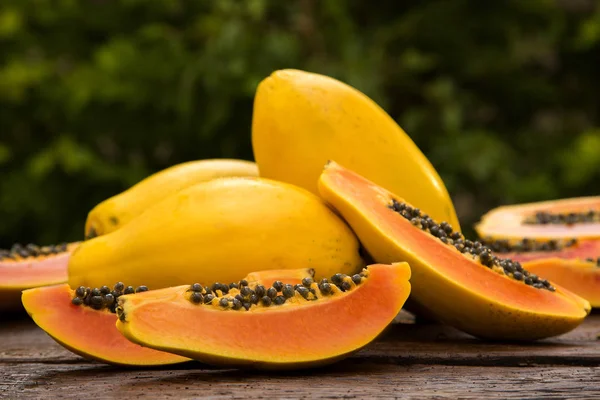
(449, 285)
(295, 334)
(508, 222)
(578, 276)
(89, 333)
(581, 249)
(19, 273)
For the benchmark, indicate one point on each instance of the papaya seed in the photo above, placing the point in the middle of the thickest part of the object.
(279, 300)
(287, 291)
(325, 287)
(278, 285)
(356, 278)
(266, 301)
(239, 297)
(80, 291)
(119, 287)
(237, 304)
(208, 298)
(307, 282)
(272, 292)
(254, 299)
(105, 290)
(96, 292)
(77, 301)
(345, 286)
(233, 285)
(517, 275)
(246, 305)
(303, 291)
(109, 299)
(246, 291)
(224, 303)
(196, 287)
(129, 290)
(96, 300)
(337, 279)
(260, 290)
(243, 282)
(141, 289)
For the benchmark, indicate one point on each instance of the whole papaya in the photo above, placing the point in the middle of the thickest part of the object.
(301, 120)
(218, 231)
(118, 210)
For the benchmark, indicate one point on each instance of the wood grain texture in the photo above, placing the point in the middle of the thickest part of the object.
(408, 361)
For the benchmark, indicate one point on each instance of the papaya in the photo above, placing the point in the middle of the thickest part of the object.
(27, 266)
(455, 280)
(200, 230)
(281, 327)
(113, 213)
(300, 120)
(581, 276)
(558, 219)
(529, 249)
(83, 320)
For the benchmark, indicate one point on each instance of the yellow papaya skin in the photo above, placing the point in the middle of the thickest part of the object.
(113, 213)
(301, 120)
(217, 231)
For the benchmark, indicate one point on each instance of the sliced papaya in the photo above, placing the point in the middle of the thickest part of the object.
(579, 276)
(302, 119)
(197, 231)
(456, 280)
(528, 249)
(118, 210)
(284, 326)
(83, 320)
(558, 219)
(27, 266)
(85, 331)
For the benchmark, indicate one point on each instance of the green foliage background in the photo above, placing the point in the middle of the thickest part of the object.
(94, 95)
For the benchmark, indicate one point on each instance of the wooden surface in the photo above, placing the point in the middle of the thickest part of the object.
(408, 361)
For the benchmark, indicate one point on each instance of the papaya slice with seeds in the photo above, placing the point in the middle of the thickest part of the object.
(558, 219)
(582, 277)
(318, 323)
(74, 320)
(529, 250)
(28, 266)
(457, 281)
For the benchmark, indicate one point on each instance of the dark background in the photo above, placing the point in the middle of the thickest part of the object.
(502, 96)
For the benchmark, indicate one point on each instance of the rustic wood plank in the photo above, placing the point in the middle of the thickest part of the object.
(343, 380)
(22, 341)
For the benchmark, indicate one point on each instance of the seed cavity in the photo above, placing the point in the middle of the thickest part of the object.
(543, 218)
(475, 250)
(19, 251)
(103, 298)
(527, 245)
(242, 296)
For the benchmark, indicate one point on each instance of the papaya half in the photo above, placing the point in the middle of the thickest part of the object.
(83, 320)
(280, 327)
(200, 230)
(301, 120)
(118, 210)
(558, 219)
(456, 280)
(27, 266)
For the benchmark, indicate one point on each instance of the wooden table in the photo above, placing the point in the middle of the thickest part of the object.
(408, 361)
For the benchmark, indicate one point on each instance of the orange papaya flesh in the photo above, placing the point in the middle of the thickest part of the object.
(24, 267)
(528, 250)
(318, 323)
(87, 327)
(469, 288)
(579, 276)
(557, 219)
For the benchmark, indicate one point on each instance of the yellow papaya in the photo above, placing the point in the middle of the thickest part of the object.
(118, 210)
(301, 120)
(217, 231)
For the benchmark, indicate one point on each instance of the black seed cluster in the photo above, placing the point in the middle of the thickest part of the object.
(104, 297)
(594, 260)
(475, 249)
(277, 294)
(526, 245)
(19, 251)
(543, 218)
